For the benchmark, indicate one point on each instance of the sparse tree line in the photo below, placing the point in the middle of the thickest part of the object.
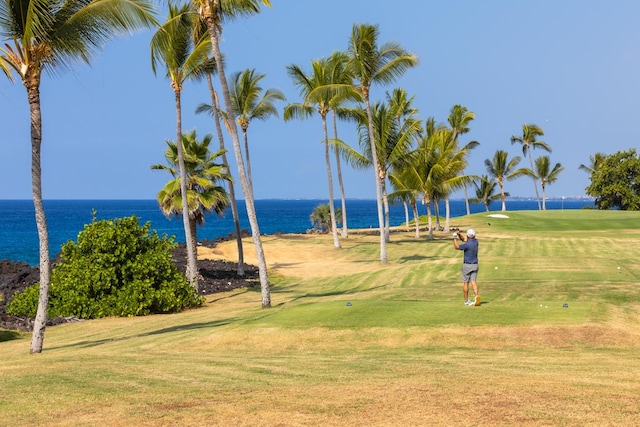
(413, 161)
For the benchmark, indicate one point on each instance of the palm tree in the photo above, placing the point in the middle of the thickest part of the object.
(428, 168)
(317, 92)
(369, 64)
(503, 170)
(485, 191)
(248, 105)
(595, 161)
(185, 57)
(202, 174)
(453, 177)
(214, 110)
(546, 175)
(400, 102)
(47, 35)
(321, 218)
(393, 144)
(400, 181)
(459, 119)
(530, 133)
(214, 12)
(339, 75)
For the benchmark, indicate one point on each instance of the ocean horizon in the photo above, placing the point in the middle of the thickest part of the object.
(66, 218)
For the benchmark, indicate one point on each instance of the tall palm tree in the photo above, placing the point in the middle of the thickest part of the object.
(459, 119)
(185, 58)
(400, 102)
(503, 170)
(428, 168)
(485, 191)
(317, 93)
(453, 175)
(203, 176)
(529, 141)
(371, 64)
(214, 110)
(251, 103)
(339, 75)
(393, 144)
(214, 13)
(546, 175)
(49, 35)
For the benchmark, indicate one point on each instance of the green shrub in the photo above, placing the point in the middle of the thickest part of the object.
(117, 268)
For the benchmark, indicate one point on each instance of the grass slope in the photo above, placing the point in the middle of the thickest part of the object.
(370, 344)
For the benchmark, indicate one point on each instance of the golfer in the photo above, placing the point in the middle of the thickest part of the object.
(470, 264)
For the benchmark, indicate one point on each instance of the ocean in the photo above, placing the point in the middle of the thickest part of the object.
(66, 218)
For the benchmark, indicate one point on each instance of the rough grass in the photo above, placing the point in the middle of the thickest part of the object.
(404, 352)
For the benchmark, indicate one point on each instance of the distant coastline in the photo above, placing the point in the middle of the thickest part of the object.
(66, 218)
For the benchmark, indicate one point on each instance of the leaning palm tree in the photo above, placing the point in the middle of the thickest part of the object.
(48, 35)
(214, 13)
(316, 93)
(203, 177)
(370, 64)
(185, 57)
(251, 103)
(214, 110)
(485, 191)
(528, 140)
(459, 119)
(502, 170)
(546, 175)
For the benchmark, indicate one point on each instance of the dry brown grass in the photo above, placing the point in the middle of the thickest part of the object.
(223, 366)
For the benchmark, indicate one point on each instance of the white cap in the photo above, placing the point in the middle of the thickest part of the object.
(471, 232)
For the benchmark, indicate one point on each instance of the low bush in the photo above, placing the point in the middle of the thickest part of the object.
(116, 268)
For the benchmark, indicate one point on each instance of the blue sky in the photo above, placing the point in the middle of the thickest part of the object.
(569, 66)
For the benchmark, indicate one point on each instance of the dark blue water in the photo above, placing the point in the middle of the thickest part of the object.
(66, 218)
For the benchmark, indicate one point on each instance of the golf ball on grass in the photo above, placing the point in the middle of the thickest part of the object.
(496, 268)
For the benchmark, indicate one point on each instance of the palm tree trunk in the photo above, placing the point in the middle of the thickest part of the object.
(40, 323)
(502, 197)
(215, 105)
(466, 201)
(376, 172)
(192, 264)
(544, 201)
(535, 181)
(332, 209)
(194, 241)
(406, 215)
(207, 11)
(246, 153)
(416, 216)
(447, 213)
(428, 203)
(385, 204)
(345, 232)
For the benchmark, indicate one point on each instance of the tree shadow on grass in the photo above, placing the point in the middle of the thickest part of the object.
(176, 328)
(9, 335)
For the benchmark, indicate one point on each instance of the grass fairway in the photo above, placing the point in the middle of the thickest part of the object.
(349, 341)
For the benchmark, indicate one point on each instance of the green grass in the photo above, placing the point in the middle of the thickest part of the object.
(404, 352)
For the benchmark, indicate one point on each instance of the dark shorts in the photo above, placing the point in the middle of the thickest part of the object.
(469, 272)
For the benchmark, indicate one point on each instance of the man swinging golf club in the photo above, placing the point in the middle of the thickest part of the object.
(470, 264)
